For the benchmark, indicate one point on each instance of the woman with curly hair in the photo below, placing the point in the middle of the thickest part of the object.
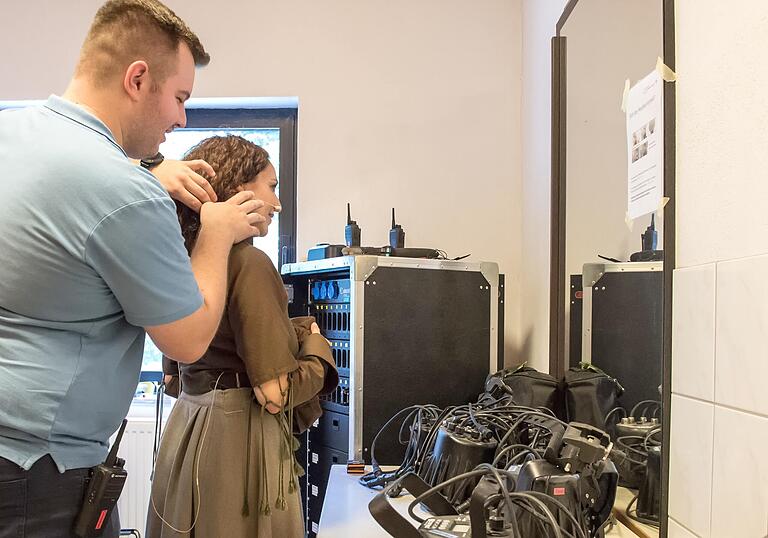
(225, 467)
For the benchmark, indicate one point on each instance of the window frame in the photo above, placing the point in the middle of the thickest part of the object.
(204, 116)
(285, 119)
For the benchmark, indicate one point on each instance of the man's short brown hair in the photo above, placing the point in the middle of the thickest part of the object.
(124, 31)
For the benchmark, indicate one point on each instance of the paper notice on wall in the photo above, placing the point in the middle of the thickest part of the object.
(645, 146)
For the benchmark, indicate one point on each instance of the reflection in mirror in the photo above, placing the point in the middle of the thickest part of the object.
(614, 307)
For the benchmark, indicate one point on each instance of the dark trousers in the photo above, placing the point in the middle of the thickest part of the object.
(43, 503)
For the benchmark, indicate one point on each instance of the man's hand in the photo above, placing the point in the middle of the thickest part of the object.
(184, 181)
(236, 216)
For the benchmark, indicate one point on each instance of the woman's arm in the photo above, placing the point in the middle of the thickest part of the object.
(273, 394)
(282, 367)
(306, 382)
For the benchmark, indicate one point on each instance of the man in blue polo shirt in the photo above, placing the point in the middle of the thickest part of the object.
(92, 257)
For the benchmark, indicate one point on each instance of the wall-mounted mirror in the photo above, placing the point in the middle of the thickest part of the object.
(611, 273)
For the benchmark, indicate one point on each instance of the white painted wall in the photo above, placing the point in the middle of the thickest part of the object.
(539, 19)
(408, 104)
(720, 363)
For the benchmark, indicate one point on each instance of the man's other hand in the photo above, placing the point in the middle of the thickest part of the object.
(237, 216)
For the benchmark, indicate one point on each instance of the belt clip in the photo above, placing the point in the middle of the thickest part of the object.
(237, 379)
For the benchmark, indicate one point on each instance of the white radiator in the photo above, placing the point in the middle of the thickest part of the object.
(136, 450)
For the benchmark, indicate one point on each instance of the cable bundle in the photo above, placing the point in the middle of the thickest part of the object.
(441, 444)
(566, 489)
(637, 437)
(512, 514)
(532, 474)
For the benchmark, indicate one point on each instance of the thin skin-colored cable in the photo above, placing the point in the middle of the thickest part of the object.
(196, 475)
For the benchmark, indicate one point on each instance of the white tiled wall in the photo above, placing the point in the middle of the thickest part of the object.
(740, 473)
(675, 530)
(742, 334)
(693, 345)
(720, 315)
(690, 467)
(719, 444)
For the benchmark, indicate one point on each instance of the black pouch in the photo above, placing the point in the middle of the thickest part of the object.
(589, 395)
(527, 386)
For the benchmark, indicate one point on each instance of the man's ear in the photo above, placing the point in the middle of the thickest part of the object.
(136, 79)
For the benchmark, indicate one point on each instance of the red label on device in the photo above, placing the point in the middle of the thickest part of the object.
(559, 492)
(102, 517)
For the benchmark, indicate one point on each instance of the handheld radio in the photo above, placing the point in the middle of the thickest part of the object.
(106, 483)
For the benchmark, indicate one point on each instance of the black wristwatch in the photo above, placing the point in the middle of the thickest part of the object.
(150, 162)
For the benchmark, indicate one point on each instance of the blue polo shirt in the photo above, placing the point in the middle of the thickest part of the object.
(90, 253)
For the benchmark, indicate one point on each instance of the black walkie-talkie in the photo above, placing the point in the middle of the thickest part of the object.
(351, 231)
(396, 234)
(106, 483)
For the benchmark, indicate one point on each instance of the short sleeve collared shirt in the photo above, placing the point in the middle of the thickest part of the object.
(90, 254)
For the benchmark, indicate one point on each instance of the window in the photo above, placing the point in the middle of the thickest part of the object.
(275, 131)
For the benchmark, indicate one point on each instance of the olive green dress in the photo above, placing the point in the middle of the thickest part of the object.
(226, 466)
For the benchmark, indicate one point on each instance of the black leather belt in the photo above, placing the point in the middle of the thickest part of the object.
(204, 381)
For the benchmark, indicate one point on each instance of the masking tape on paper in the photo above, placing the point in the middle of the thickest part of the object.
(666, 73)
(663, 202)
(624, 96)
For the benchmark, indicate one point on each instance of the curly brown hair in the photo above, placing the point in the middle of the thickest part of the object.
(236, 162)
